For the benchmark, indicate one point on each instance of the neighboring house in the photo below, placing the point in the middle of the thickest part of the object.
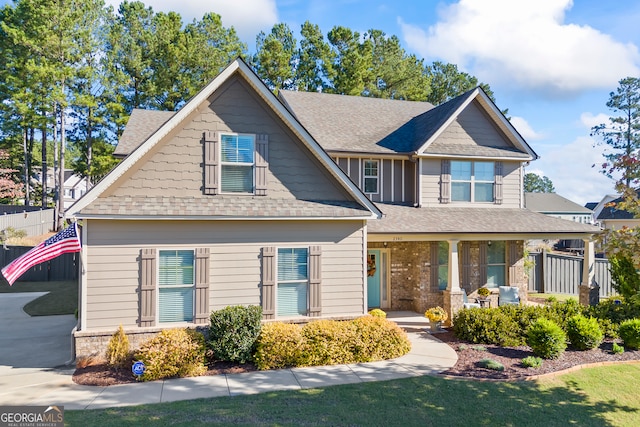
(229, 201)
(610, 217)
(244, 198)
(553, 204)
(74, 186)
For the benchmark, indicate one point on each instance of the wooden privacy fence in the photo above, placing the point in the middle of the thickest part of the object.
(562, 274)
(33, 222)
(64, 267)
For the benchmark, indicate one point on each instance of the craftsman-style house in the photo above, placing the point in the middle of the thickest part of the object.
(310, 205)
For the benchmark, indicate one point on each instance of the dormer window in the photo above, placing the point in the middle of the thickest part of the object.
(237, 162)
(472, 181)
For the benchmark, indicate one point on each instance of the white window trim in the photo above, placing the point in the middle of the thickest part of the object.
(158, 286)
(223, 163)
(376, 176)
(277, 281)
(472, 182)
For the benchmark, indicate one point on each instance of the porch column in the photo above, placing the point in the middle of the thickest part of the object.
(454, 267)
(589, 289)
(452, 296)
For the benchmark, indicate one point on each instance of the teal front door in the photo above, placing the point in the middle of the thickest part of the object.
(374, 270)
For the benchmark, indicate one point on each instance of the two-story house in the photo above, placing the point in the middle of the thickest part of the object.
(310, 205)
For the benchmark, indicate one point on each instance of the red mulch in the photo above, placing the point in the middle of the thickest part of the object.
(468, 357)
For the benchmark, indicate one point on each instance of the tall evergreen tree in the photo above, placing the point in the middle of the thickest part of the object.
(276, 57)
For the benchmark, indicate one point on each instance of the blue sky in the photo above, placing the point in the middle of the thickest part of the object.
(552, 63)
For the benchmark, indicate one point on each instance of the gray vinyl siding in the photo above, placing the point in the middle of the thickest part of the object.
(175, 166)
(396, 177)
(430, 185)
(114, 248)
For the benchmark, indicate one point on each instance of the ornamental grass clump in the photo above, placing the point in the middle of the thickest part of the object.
(532, 362)
(546, 339)
(584, 333)
(491, 364)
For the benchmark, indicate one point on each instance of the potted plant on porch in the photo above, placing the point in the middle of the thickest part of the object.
(436, 316)
(483, 293)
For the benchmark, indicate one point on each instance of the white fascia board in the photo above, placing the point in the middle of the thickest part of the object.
(466, 156)
(223, 218)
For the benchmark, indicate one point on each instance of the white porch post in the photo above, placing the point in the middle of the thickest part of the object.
(454, 269)
(588, 287)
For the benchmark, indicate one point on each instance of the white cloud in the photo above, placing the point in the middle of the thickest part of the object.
(525, 43)
(248, 17)
(589, 120)
(570, 169)
(525, 129)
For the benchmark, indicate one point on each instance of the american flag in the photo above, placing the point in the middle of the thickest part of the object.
(64, 242)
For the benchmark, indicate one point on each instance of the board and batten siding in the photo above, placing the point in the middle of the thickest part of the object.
(174, 167)
(430, 185)
(396, 177)
(113, 264)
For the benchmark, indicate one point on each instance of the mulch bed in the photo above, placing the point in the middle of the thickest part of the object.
(467, 365)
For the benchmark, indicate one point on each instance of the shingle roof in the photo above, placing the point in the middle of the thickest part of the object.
(552, 203)
(610, 211)
(401, 219)
(221, 206)
(141, 125)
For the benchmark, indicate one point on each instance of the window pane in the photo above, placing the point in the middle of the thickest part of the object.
(461, 171)
(443, 277)
(371, 168)
(176, 268)
(495, 276)
(237, 179)
(237, 148)
(483, 192)
(483, 171)
(176, 304)
(443, 253)
(292, 299)
(496, 253)
(461, 191)
(292, 264)
(371, 185)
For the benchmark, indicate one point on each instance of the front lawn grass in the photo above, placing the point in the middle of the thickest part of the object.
(62, 297)
(601, 396)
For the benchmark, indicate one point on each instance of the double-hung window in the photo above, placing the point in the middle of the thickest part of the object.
(292, 281)
(237, 163)
(496, 264)
(371, 176)
(443, 265)
(176, 286)
(472, 181)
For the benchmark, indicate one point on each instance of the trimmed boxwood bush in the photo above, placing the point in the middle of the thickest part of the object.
(173, 353)
(584, 333)
(329, 342)
(629, 331)
(546, 339)
(487, 326)
(279, 346)
(233, 333)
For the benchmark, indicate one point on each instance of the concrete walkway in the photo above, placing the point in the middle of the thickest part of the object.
(54, 386)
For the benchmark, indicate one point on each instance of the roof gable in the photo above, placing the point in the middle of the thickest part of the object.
(170, 128)
(471, 125)
(553, 203)
(140, 126)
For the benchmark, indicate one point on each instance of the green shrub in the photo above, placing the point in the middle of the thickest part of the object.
(487, 326)
(629, 331)
(118, 353)
(584, 333)
(617, 349)
(233, 333)
(546, 339)
(376, 312)
(560, 312)
(328, 342)
(491, 364)
(551, 299)
(624, 277)
(615, 312)
(172, 353)
(279, 346)
(378, 339)
(532, 362)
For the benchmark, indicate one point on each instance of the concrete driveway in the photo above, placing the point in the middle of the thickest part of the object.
(32, 342)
